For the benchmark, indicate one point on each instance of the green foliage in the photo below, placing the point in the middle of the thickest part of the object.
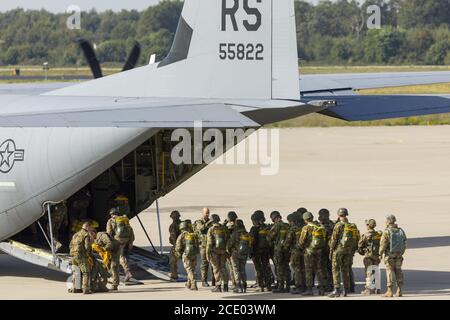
(413, 32)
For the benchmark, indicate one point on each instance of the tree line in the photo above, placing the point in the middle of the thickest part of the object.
(412, 32)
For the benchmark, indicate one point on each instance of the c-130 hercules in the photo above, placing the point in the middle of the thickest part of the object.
(233, 64)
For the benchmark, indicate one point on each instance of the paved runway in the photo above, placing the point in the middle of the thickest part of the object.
(371, 171)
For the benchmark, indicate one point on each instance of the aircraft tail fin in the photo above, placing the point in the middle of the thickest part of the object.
(238, 49)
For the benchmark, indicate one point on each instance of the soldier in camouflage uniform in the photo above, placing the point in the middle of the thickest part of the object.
(328, 225)
(260, 251)
(120, 229)
(174, 232)
(216, 252)
(239, 247)
(369, 247)
(187, 248)
(110, 255)
(230, 223)
(82, 257)
(277, 236)
(392, 249)
(343, 242)
(201, 228)
(296, 260)
(312, 241)
(60, 220)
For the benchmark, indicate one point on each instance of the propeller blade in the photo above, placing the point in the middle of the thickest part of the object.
(133, 57)
(91, 58)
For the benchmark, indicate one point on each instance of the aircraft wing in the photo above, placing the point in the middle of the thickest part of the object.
(32, 89)
(68, 111)
(359, 81)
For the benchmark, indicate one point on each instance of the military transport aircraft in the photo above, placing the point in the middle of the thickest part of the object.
(233, 64)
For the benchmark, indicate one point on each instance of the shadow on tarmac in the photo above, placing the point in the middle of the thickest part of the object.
(429, 242)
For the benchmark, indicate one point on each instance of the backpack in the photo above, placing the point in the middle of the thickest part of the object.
(220, 241)
(262, 238)
(397, 240)
(319, 237)
(284, 229)
(245, 244)
(350, 236)
(191, 244)
(122, 229)
(373, 242)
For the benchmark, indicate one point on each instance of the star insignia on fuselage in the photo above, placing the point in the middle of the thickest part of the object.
(9, 154)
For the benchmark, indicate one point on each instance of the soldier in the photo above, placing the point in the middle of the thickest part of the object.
(328, 225)
(110, 253)
(369, 247)
(392, 248)
(174, 232)
(60, 220)
(343, 242)
(99, 277)
(296, 254)
(81, 254)
(201, 228)
(277, 235)
(312, 241)
(187, 248)
(216, 252)
(119, 227)
(230, 224)
(239, 247)
(260, 251)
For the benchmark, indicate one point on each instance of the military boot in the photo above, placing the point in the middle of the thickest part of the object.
(188, 284)
(217, 289)
(225, 287)
(205, 284)
(260, 289)
(213, 281)
(295, 290)
(389, 293)
(345, 292)
(335, 294)
(321, 291)
(114, 288)
(87, 291)
(366, 292)
(194, 286)
(308, 292)
(279, 288)
(127, 277)
(244, 286)
(238, 288)
(399, 292)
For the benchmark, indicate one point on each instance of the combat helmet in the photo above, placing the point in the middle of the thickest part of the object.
(175, 214)
(371, 223)
(308, 216)
(275, 214)
(185, 224)
(232, 216)
(342, 212)
(215, 218)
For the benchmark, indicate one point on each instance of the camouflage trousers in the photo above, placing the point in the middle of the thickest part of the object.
(327, 268)
(281, 261)
(189, 264)
(204, 264)
(262, 268)
(173, 262)
(238, 268)
(230, 271)
(369, 261)
(85, 270)
(219, 266)
(123, 258)
(341, 264)
(114, 269)
(99, 277)
(313, 266)
(394, 268)
(297, 263)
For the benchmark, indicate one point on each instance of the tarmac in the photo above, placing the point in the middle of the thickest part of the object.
(372, 171)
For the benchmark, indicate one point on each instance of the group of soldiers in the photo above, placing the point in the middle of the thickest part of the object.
(302, 250)
(86, 244)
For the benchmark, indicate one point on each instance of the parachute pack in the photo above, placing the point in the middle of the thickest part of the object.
(220, 241)
(123, 228)
(191, 244)
(245, 244)
(373, 242)
(262, 238)
(397, 239)
(319, 237)
(284, 229)
(350, 236)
